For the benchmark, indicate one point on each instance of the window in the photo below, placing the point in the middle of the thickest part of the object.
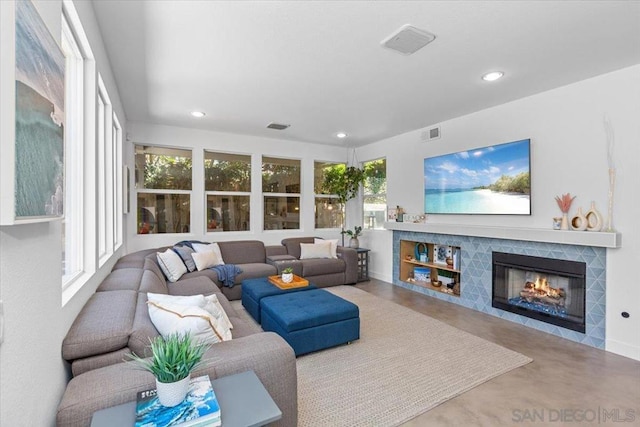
(163, 185)
(227, 184)
(281, 193)
(118, 193)
(375, 193)
(72, 225)
(329, 212)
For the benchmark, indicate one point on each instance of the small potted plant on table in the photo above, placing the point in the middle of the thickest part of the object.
(173, 360)
(287, 275)
(353, 242)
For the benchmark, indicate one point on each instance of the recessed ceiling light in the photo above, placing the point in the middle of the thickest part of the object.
(494, 75)
(198, 114)
(341, 135)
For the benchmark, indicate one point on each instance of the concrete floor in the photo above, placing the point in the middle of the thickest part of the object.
(567, 384)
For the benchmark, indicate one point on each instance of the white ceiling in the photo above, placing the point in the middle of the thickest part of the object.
(319, 65)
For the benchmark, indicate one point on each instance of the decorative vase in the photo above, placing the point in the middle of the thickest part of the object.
(172, 394)
(579, 221)
(449, 261)
(594, 218)
(564, 222)
(287, 277)
(354, 243)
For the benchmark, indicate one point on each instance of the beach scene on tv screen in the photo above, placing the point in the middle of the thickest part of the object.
(487, 180)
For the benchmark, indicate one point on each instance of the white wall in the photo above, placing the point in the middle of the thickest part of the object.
(569, 154)
(32, 372)
(198, 141)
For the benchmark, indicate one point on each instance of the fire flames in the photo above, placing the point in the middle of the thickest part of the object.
(542, 291)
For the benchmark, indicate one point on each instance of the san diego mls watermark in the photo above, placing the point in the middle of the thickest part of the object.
(597, 415)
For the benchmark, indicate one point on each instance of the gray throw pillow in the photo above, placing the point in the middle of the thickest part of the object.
(185, 253)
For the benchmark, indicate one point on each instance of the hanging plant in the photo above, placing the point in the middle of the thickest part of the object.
(343, 181)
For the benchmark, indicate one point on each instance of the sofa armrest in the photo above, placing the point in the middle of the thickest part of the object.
(275, 250)
(267, 354)
(350, 257)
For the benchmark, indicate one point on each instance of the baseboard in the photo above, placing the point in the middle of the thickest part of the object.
(379, 276)
(623, 349)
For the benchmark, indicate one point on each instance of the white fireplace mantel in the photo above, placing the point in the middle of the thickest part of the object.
(582, 238)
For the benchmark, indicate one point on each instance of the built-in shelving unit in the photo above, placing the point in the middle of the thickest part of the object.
(442, 276)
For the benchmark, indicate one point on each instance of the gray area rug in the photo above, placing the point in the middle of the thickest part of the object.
(404, 364)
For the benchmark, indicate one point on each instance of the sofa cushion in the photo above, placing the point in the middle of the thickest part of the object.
(169, 318)
(243, 252)
(213, 247)
(103, 325)
(334, 245)
(151, 283)
(122, 279)
(254, 270)
(317, 267)
(209, 303)
(171, 265)
(315, 250)
(293, 244)
(143, 329)
(185, 252)
(192, 286)
(205, 260)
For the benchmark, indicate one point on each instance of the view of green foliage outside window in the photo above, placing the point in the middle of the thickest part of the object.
(375, 193)
(281, 192)
(163, 184)
(228, 188)
(329, 212)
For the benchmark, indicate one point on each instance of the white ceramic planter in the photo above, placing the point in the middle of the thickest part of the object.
(172, 394)
(287, 277)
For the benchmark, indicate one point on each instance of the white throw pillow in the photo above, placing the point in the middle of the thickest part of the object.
(213, 247)
(315, 250)
(205, 260)
(171, 265)
(334, 245)
(209, 303)
(182, 319)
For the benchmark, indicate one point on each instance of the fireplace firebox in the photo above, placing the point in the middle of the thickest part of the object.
(546, 289)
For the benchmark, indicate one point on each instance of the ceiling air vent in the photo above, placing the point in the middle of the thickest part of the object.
(430, 134)
(408, 39)
(277, 126)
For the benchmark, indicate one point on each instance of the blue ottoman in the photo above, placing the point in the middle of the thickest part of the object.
(311, 321)
(253, 290)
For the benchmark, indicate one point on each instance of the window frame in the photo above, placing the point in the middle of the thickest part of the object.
(364, 196)
(316, 196)
(208, 193)
(139, 190)
(265, 194)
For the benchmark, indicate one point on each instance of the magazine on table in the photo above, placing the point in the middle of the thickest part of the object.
(199, 408)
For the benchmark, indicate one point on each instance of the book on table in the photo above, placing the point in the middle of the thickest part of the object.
(199, 408)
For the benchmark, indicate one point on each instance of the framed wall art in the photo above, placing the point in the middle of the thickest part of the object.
(37, 163)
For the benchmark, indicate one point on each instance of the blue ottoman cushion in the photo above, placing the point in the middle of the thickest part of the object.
(253, 290)
(312, 320)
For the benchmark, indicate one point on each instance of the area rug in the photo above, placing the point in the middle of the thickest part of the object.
(404, 364)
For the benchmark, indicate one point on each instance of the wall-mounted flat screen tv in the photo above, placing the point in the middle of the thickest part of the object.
(494, 180)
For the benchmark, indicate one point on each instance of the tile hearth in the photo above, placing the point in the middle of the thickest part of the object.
(476, 278)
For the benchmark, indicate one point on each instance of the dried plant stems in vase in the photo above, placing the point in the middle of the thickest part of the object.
(564, 203)
(608, 130)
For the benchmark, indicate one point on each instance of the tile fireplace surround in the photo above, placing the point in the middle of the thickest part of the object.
(476, 270)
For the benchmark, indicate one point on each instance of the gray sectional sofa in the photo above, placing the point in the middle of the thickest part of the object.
(115, 322)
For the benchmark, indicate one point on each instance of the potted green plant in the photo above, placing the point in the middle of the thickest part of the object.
(172, 361)
(354, 234)
(343, 181)
(287, 275)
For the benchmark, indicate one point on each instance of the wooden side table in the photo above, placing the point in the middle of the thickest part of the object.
(363, 264)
